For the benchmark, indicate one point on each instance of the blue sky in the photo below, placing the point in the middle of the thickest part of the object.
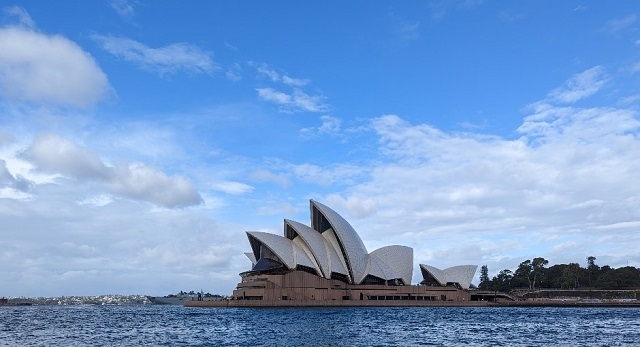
(140, 139)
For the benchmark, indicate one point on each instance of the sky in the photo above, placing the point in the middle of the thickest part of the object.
(139, 140)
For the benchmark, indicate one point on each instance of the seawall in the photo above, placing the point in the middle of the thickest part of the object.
(394, 303)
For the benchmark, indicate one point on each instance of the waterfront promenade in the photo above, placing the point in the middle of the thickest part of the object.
(403, 303)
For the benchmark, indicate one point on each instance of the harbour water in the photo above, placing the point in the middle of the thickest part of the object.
(149, 325)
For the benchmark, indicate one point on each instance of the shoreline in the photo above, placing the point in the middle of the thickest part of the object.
(390, 303)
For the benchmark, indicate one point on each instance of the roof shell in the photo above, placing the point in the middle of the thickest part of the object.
(323, 252)
(461, 274)
(378, 268)
(251, 257)
(331, 245)
(288, 252)
(398, 258)
(355, 253)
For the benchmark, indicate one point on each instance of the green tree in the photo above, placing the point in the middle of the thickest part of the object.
(554, 276)
(606, 278)
(571, 276)
(484, 278)
(502, 281)
(537, 269)
(523, 275)
(592, 269)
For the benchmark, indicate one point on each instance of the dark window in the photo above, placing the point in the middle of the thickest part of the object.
(320, 223)
(265, 264)
(339, 277)
(256, 297)
(370, 279)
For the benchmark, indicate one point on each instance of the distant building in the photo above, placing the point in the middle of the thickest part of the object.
(328, 261)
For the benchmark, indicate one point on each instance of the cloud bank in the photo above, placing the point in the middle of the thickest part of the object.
(49, 69)
(565, 183)
(55, 155)
(168, 59)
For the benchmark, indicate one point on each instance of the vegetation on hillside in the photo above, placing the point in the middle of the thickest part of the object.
(534, 274)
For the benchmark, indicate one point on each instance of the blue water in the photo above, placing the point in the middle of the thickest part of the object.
(425, 326)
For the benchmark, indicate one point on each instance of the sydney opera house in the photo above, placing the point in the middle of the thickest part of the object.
(328, 262)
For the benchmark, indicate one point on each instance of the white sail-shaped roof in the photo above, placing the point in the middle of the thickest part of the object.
(304, 256)
(398, 258)
(336, 258)
(352, 247)
(287, 251)
(436, 273)
(461, 274)
(378, 268)
(323, 253)
(251, 257)
(333, 249)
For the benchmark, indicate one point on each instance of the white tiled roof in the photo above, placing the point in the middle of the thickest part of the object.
(461, 274)
(339, 249)
(399, 259)
(355, 252)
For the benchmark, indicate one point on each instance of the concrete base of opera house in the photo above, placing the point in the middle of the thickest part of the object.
(334, 303)
(395, 303)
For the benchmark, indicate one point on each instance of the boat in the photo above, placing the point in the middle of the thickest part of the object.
(182, 297)
(172, 299)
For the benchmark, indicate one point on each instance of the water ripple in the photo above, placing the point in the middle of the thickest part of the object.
(424, 326)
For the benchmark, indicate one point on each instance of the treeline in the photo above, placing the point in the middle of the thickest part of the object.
(534, 274)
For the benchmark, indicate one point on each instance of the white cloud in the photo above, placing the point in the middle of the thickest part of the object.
(581, 85)
(570, 176)
(8, 179)
(358, 206)
(295, 102)
(311, 103)
(296, 82)
(330, 126)
(5, 138)
(265, 70)
(616, 25)
(564, 246)
(146, 183)
(35, 67)
(234, 73)
(13, 186)
(163, 60)
(272, 95)
(60, 247)
(620, 225)
(628, 100)
(56, 155)
(268, 176)
(97, 200)
(124, 8)
(327, 175)
(233, 188)
(583, 126)
(21, 14)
